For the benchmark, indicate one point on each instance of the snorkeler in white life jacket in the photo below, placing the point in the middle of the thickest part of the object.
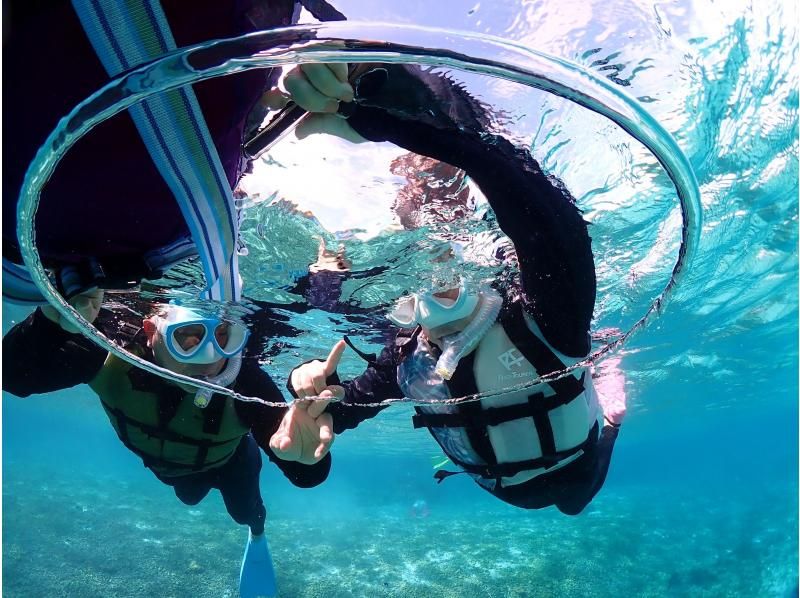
(531, 446)
(464, 347)
(547, 444)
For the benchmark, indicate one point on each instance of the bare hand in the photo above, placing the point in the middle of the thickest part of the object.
(319, 87)
(305, 434)
(330, 261)
(328, 124)
(310, 379)
(609, 383)
(87, 304)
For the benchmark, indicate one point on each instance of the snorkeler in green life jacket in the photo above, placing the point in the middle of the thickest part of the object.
(190, 442)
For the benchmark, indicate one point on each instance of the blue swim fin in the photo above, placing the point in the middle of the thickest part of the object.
(257, 577)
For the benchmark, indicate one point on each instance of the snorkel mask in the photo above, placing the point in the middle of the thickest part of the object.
(430, 309)
(195, 339)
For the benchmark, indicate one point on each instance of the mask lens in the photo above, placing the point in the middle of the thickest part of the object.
(222, 333)
(190, 336)
(446, 298)
(403, 313)
(230, 337)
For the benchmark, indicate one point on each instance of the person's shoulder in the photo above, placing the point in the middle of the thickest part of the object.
(562, 337)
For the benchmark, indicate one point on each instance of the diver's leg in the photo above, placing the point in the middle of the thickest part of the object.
(238, 482)
(190, 489)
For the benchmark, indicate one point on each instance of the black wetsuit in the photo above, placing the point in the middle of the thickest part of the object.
(426, 114)
(39, 356)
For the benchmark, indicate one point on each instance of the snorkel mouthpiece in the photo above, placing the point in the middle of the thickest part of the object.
(225, 378)
(458, 345)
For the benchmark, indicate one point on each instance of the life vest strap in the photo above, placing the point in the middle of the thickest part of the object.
(160, 433)
(152, 461)
(501, 470)
(538, 404)
(539, 355)
(370, 358)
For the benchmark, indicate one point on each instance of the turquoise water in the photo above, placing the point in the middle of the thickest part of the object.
(701, 498)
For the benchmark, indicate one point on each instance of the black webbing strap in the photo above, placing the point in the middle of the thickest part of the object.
(212, 414)
(463, 384)
(547, 440)
(501, 470)
(149, 460)
(540, 356)
(546, 362)
(152, 461)
(164, 434)
(370, 358)
(202, 454)
(491, 416)
(122, 426)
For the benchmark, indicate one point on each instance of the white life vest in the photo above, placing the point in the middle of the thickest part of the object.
(511, 437)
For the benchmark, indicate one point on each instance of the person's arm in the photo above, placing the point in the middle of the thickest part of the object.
(355, 397)
(40, 356)
(264, 422)
(533, 209)
(376, 384)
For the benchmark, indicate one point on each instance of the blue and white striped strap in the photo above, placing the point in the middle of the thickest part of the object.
(125, 34)
(18, 286)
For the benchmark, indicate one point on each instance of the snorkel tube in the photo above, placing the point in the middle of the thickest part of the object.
(224, 378)
(460, 344)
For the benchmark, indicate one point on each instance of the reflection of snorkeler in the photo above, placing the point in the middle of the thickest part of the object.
(191, 449)
(435, 192)
(321, 287)
(549, 444)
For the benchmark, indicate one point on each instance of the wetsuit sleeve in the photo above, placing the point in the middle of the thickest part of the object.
(39, 356)
(377, 383)
(264, 421)
(533, 209)
(588, 482)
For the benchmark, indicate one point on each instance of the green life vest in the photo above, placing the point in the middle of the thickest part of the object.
(159, 421)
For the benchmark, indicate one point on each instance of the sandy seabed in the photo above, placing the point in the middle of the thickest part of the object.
(97, 536)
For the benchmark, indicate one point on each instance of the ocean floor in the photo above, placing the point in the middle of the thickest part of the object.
(101, 535)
